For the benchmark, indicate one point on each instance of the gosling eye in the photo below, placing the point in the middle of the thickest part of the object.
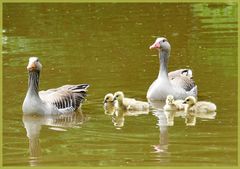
(187, 100)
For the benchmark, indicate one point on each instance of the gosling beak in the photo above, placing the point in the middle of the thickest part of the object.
(31, 67)
(184, 102)
(104, 101)
(155, 45)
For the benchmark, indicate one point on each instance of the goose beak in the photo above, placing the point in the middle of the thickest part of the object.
(31, 66)
(155, 45)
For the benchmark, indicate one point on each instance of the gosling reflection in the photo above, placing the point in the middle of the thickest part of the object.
(165, 119)
(191, 117)
(109, 104)
(34, 123)
(118, 117)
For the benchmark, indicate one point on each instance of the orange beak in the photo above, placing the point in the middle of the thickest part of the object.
(155, 45)
(31, 66)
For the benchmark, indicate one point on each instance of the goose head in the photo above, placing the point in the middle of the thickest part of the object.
(118, 96)
(169, 99)
(161, 44)
(34, 65)
(108, 98)
(190, 100)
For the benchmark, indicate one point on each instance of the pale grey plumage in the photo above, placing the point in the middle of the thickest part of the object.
(177, 83)
(65, 98)
(60, 100)
(180, 72)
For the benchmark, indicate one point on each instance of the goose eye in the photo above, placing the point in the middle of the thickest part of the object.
(164, 40)
(37, 60)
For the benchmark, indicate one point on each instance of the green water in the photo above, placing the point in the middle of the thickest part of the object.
(106, 45)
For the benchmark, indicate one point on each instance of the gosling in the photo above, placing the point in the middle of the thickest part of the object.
(130, 104)
(172, 105)
(109, 104)
(198, 107)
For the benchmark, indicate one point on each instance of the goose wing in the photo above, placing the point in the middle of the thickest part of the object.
(65, 98)
(184, 82)
(180, 72)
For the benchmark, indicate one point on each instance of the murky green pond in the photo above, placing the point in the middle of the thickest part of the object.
(106, 45)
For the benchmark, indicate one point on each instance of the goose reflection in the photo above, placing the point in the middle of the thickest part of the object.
(162, 123)
(34, 123)
(189, 116)
(165, 119)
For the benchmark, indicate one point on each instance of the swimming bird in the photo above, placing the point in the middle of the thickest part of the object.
(109, 104)
(172, 104)
(64, 99)
(178, 83)
(129, 104)
(198, 106)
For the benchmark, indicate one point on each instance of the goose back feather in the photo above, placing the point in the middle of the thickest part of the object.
(64, 99)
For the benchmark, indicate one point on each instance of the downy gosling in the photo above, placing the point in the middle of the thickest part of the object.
(198, 106)
(130, 104)
(172, 105)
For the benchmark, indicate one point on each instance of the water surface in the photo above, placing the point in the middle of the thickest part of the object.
(106, 45)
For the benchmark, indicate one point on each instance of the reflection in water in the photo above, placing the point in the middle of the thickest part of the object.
(165, 119)
(33, 125)
(190, 119)
(118, 117)
(106, 45)
(162, 147)
(109, 109)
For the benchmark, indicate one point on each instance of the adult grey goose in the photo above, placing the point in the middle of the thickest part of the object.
(65, 99)
(178, 83)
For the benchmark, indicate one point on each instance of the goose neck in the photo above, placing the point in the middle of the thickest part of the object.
(163, 70)
(33, 82)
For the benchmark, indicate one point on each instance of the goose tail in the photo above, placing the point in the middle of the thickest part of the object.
(187, 72)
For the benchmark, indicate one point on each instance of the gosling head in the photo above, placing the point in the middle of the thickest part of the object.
(161, 44)
(34, 65)
(190, 100)
(118, 96)
(169, 99)
(108, 98)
